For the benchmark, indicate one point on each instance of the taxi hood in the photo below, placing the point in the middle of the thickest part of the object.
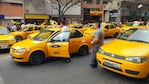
(26, 43)
(126, 48)
(6, 37)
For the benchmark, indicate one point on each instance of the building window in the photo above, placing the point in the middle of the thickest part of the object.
(16, 4)
(88, 1)
(98, 1)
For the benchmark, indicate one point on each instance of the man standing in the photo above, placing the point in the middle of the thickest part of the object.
(63, 26)
(147, 24)
(97, 41)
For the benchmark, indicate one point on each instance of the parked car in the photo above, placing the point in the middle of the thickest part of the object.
(23, 34)
(6, 39)
(135, 24)
(51, 43)
(128, 54)
(110, 30)
(44, 29)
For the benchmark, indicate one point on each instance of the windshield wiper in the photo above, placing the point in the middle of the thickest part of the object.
(139, 41)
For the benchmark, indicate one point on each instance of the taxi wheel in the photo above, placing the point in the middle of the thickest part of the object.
(18, 38)
(83, 51)
(115, 35)
(147, 78)
(36, 58)
(67, 60)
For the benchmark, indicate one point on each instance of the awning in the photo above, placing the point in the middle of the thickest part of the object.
(1, 17)
(36, 16)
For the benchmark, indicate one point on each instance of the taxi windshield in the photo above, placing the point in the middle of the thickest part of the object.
(28, 28)
(4, 31)
(138, 35)
(44, 35)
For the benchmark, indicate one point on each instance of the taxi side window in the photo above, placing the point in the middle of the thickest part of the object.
(141, 24)
(37, 28)
(62, 37)
(107, 26)
(76, 34)
(30, 29)
(112, 26)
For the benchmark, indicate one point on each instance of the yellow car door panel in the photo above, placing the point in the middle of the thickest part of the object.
(76, 39)
(58, 46)
(58, 49)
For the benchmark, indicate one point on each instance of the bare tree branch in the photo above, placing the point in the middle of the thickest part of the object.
(64, 5)
(69, 6)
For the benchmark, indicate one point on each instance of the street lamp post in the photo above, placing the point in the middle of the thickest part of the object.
(139, 7)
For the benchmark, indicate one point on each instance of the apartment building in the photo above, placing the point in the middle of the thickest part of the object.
(11, 10)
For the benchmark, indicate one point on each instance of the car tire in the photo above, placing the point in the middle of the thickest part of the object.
(115, 35)
(67, 60)
(83, 51)
(146, 79)
(18, 38)
(37, 58)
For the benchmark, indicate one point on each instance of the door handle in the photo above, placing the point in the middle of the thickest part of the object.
(55, 46)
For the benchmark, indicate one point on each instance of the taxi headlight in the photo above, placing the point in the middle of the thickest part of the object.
(136, 59)
(22, 50)
(100, 51)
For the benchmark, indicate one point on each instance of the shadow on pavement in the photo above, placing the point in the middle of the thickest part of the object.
(3, 51)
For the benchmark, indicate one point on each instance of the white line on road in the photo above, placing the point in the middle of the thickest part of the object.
(1, 80)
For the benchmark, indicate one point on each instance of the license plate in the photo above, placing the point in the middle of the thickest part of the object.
(112, 64)
(3, 46)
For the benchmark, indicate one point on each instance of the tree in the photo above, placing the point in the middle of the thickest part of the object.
(62, 6)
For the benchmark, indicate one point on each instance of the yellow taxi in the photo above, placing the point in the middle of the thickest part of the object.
(135, 24)
(50, 43)
(23, 34)
(88, 26)
(77, 26)
(128, 54)
(6, 39)
(110, 30)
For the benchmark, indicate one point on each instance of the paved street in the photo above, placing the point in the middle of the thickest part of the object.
(58, 72)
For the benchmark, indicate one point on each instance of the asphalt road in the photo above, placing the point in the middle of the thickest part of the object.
(58, 72)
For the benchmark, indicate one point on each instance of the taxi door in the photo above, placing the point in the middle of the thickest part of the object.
(58, 46)
(75, 41)
(112, 30)
(106, 30)
(36, 29)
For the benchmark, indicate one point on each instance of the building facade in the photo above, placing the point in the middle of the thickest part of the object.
(11, 10)
(126, 10)
(92, 11)
(35, 11)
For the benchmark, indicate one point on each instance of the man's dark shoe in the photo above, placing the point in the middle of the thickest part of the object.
(93, 65)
